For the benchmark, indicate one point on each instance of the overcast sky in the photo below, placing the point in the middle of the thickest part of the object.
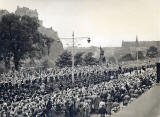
(107, 22)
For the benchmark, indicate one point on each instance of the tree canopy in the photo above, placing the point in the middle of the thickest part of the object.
(127, 57)
(20, 38)
(112, 60)
(152, 52)
(89, 59)
(64, 59)
(140, 55)
(79, 58)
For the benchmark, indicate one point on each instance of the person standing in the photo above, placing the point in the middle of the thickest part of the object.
(96, 104)
(109, 107)
(102, 111)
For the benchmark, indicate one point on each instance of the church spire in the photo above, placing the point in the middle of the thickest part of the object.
(137, 43)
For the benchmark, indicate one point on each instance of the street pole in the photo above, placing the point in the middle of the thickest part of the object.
(73, 58)
(137, 46)
(137, 60)
(73, 44)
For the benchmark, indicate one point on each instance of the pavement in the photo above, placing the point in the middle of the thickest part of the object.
(147, 105)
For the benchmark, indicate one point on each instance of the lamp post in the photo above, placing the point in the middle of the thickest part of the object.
(137, 49)
(73, 44)
(73, 58)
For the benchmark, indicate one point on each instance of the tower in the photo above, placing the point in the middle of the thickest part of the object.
(137, 43)
(102, 58)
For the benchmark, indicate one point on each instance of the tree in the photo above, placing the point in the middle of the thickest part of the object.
(20, 38)
(78, 58)
(152, 52)
(104, 60)
(48, 43)
(89, 59)
(112, 60)
(140, 55)
(64, 59)
(127, 57)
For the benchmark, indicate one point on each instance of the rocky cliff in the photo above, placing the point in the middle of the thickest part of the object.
(56, 47)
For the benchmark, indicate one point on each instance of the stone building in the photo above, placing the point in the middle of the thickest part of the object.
(57, 47)
(102, 58)
(26, 11)
(145, 44)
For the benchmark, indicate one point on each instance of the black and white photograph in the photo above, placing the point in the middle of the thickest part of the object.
(79, 58)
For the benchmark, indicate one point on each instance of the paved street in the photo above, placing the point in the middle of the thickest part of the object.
(148, 105)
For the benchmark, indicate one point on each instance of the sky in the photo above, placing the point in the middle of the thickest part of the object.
(106, 22)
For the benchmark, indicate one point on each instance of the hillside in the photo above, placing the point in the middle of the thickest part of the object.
(56, 47)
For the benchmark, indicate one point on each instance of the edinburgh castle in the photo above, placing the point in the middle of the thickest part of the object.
(56, 47)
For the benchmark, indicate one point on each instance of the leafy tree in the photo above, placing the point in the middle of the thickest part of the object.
(112, 60)
(104, 59)
(152, 52)
(64, 59)
(127, 57)
(140, 55)
(78, 58)
(48, 43)
(20, 38)
(89, 59)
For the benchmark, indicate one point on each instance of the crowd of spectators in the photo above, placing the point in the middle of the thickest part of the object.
(50, 93)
